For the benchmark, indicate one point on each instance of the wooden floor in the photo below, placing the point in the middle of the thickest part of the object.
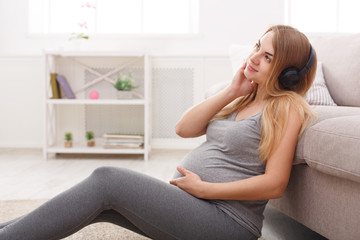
(25, 175)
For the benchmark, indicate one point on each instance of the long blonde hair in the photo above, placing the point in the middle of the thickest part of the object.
(291, 49)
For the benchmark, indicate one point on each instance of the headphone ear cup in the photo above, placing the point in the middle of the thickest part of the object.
(289, 77)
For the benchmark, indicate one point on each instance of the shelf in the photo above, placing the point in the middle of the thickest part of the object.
(94, 150)
(78, 115)
(96, 102)
(71, 53)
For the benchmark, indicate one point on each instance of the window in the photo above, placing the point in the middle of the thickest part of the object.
(113, 16)
(324, 15)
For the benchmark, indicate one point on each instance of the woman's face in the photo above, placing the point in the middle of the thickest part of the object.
(259, 62)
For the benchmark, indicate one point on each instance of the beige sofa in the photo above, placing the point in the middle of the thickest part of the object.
(324, 189)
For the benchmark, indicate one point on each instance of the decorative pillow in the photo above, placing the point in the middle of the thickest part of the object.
(318, 93)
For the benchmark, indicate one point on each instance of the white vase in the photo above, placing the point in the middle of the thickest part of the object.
(124, 94)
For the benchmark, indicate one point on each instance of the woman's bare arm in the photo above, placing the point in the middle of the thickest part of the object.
(194, 121)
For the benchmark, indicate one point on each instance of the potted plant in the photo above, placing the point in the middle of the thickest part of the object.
(68, 140)
(90, 138)
(124, 86)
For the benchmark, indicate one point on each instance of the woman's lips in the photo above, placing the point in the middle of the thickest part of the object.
(251, 69)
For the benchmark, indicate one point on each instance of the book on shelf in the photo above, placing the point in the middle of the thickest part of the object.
(124, 136)
(125, 145)
(65, 86)
(130, 141)
(55, 90)
(123, 141)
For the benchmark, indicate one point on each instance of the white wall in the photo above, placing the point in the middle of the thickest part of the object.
(21, 101)
(222, 22)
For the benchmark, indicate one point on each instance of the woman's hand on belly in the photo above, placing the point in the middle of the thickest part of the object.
(190, 183)
(253, 188)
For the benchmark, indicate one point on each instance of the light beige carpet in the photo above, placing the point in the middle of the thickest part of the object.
(99, 231)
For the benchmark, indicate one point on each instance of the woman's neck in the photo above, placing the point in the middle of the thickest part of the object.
(260, 97)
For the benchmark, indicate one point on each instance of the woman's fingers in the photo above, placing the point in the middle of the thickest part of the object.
(182, 170)
(174, 182)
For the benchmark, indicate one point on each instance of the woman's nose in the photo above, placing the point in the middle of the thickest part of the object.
(255, 58)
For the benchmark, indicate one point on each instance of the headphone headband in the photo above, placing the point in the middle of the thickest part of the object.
(309, 63)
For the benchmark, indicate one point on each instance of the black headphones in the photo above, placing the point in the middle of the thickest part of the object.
(291, 76)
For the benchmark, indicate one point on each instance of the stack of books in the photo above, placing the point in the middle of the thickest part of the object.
(123, 141)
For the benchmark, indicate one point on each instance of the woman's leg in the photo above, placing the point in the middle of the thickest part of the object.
(4, 224)
(110, 216)
(157, 209)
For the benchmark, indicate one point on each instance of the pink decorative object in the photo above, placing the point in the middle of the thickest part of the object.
(94, 94)
(83, 24)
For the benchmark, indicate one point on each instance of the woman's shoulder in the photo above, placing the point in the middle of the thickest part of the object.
(291, 101)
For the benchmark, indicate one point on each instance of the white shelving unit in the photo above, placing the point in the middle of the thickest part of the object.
(87, 71)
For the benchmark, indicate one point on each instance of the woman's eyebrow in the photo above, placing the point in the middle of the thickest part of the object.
(265, 52)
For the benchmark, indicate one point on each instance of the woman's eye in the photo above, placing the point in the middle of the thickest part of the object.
(257, 46)
(268, 59)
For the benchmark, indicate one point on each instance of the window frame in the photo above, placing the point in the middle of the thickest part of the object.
(337, 29)
(194, 31)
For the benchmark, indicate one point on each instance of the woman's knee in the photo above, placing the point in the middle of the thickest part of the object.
(103, 171)
(110, 174)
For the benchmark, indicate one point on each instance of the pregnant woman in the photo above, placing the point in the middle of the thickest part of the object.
(221, 188)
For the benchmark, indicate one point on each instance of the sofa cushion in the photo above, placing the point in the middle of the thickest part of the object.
(332, 146)
(340, 56)
(326, 112)
(323, 112)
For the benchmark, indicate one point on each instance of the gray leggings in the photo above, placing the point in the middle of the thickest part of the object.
(129, 199)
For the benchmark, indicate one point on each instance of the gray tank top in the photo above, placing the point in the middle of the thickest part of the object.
(230, 154)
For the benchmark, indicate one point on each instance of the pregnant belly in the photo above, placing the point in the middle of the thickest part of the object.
(211, 167)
